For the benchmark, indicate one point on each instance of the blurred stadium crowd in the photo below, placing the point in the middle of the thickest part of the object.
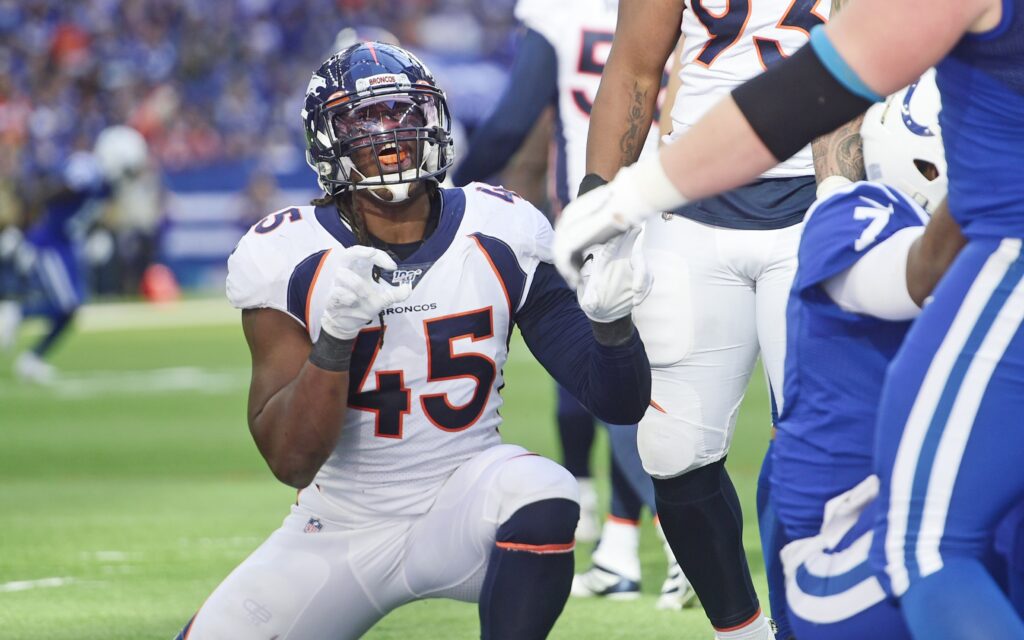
(215, 88)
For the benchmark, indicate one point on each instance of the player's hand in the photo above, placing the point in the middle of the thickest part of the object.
(614, 278)
(595, 218)
(356, 297)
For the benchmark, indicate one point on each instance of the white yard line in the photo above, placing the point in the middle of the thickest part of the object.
(111, 556)
(120, 316)
(42, 583)
(90, 384)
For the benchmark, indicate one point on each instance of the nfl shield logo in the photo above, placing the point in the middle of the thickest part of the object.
(313, 526)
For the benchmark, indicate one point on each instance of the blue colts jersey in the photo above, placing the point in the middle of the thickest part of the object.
(835, 365)
(982, 120)
(67, 218)
(835, 360)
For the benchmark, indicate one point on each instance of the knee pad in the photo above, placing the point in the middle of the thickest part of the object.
(532, 478)
(545, 526)
(668, 446)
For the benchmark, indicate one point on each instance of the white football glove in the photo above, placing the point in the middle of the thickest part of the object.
(616, 279)
(637, 193)
(355, 297)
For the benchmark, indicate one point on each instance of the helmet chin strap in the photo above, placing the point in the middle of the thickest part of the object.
(399, 191)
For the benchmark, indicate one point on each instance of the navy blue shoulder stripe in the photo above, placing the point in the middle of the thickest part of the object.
(506, 267)
(300, 283)
(329, 219)
(453, 209)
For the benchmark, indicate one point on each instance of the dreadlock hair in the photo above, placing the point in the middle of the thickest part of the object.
(345, 206)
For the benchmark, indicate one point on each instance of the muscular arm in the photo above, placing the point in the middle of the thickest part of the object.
(527, 172)
(498, 138)
(932, 253)
(840, 152)
(922, 254)
(723, 151)
(295, 408)
(613, 382)
(645, 34)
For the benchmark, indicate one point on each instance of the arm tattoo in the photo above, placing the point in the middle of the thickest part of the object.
(840, 153)
(850, 156)
(639, 123)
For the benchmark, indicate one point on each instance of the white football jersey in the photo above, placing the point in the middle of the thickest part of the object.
(580, 31)
(424, 397)
(729, 42)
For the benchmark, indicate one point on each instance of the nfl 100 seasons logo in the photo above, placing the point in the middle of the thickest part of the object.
(313, 526)
(403, 276)
(406, 274)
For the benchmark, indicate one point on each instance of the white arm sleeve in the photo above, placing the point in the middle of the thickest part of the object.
(877, 284)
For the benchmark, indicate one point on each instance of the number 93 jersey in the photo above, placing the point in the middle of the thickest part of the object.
(424, 385)
(580, 32)
(727, 42)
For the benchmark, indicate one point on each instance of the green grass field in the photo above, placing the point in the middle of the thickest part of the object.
(128, 491)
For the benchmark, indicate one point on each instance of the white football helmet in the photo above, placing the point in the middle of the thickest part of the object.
(120, 151)
(903, 143)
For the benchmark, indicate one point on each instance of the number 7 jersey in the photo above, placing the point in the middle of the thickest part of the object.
(424, 387)
(727, 42)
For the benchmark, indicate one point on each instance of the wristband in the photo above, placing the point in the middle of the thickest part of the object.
(651, 185)
(798, 100)
(590, 182)
(330, 353)
(614, 333)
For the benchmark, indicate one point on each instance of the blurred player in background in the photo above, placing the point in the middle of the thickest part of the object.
(406, 491)
(134, 214)
(946, 461)
(51, 251)
(558, 64)
(722, 268)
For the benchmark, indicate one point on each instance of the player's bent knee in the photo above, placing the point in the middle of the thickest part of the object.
(668, 447)
(543, 527)
(530, 478)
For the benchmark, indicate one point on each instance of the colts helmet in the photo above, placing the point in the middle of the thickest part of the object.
(121, 151)
(377, 101)
(903, 143)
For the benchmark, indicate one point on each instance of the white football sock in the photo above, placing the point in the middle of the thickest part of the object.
(618, 549)
(757, 629)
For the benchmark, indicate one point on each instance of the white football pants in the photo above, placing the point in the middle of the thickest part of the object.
(322, 575)
(719, 298)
